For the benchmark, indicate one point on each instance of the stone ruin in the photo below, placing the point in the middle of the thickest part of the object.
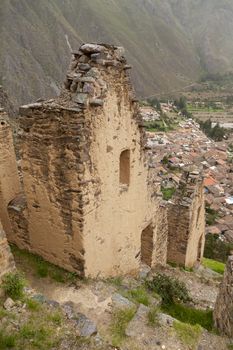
(89, 202)
(9, 187)
(223, 312)
(186, 224)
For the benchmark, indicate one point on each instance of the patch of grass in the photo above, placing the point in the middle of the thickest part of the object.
(116, 281)
(190, 315)
(168, 193)
(39, 336)
(230, 346)
(187, 333)
(56, 318)
(3, 313)
(139, 296)
(214, 265)
(43, 268)
(41, 328)
(121, 319)
(33, 305)
(58, 276)
(152, 317)
(7, 341)
(13, 284)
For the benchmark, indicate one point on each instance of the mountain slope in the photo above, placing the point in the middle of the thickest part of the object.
(168, 42)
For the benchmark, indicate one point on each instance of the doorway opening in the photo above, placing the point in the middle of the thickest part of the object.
(147, 245)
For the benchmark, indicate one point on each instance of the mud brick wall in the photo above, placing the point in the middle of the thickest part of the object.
(80, 211)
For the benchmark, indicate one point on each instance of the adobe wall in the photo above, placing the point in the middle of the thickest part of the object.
(79, 214)
(53, 147)
(6, 258)
(186, 221)
(223, 312)
(9, 179)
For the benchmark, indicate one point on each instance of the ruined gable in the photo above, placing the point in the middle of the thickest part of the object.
(88, 191)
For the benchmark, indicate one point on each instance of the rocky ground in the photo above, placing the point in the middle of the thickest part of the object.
(104, 314)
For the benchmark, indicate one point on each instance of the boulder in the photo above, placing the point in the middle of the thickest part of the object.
(93, 72)
(85, 326)
(120, 302)
(68, 309)
(144, 271)
(9, 303)
(165, 320)
(92, 48)
(84, 66)
(138, 321)
(80, 98)
(97, 102)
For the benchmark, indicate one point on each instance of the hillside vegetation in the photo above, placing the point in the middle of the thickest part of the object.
(170, 43)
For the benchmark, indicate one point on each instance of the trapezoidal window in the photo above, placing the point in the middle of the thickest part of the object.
(125, 167)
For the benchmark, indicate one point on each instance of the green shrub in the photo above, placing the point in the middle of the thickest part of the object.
(211, 216)
(190, 315)
(13, 284)
(168, 193)
(170, 289)
(188, 334)
(216, 249)
(214, 265)
(121, 319)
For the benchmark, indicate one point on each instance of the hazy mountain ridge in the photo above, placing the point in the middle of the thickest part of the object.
(168, 42)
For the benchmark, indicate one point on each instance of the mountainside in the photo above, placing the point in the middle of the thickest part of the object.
(169, 42)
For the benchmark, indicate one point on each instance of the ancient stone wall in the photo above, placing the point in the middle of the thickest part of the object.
(160, 253)
(6, 258)
(223, 312)
(9, 179)
(88, 191)
(186, 221)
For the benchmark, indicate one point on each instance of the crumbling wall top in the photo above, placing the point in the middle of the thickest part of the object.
(85, 84)
(191, 179)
